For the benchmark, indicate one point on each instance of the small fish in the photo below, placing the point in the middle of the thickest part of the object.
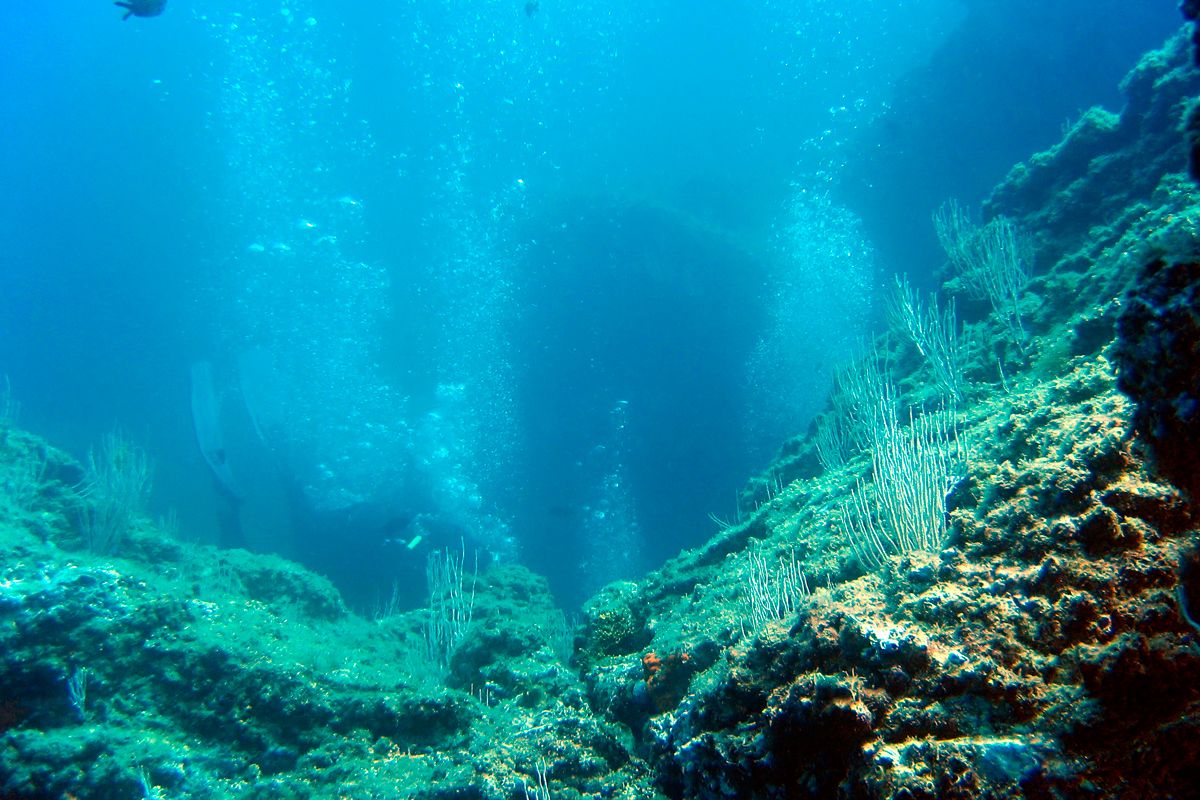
(532, 7)
(142, 8)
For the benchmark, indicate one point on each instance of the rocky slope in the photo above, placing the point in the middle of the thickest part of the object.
(183, 671)
(1044, 651)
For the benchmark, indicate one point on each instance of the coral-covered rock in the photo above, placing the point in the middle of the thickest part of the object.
(1107, 163)
(615, 624)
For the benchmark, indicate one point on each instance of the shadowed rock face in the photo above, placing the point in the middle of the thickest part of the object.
(1158, 358)
(142, 8)
(1191, 12)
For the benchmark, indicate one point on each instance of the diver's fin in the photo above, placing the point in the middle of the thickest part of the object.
(128, 14)
(206, 419)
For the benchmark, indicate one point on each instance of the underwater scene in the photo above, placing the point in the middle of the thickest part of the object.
(562, 399)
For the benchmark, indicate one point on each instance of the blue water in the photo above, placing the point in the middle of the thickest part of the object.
(552, 283)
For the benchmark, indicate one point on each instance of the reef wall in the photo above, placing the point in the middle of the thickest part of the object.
(1043, 651)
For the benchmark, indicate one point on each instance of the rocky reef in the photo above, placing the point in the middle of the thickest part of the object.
(180, 670)
(1046, 648)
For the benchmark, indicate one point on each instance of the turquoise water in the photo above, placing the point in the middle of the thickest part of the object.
(551, 278)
